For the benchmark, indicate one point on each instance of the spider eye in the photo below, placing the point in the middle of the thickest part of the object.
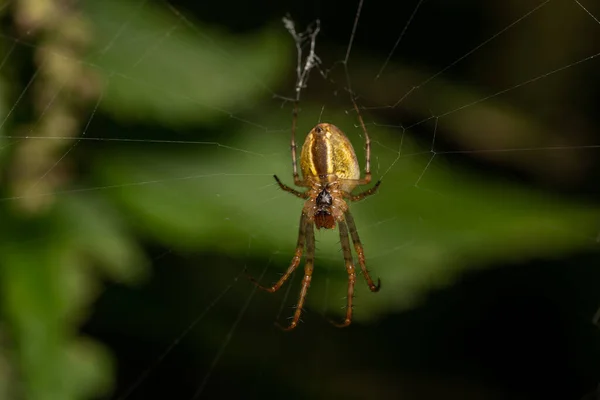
(318, 129)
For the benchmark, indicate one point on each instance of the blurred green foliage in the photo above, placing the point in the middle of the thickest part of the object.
(167, 69)
(429, 221)
(46, 261)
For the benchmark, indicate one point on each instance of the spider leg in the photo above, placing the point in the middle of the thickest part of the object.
(293, 143)
(308, 270)
(345, 241)
(290, 190)
(295, 260)
(297, 180)
(361, 253)
(367, 177)
(366, 193)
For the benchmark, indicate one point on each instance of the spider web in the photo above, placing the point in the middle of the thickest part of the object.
(484, 140)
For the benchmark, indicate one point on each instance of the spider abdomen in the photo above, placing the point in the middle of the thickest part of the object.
(328, 156)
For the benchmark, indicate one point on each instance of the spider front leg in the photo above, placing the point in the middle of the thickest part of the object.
(308, 270)
(345, 242)
(361, 253)
(295, 260)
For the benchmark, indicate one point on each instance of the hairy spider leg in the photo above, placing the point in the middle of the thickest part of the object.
(367, 179)
(297, 180)
(295, 261)
(283, 186)
(366, 193)
(345, 241)
(308, 270)
(360, 253)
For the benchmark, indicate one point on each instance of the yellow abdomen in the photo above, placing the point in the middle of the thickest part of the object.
(328, 156)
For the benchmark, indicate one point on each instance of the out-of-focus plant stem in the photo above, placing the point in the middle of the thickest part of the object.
(60, 87)
(41, 354)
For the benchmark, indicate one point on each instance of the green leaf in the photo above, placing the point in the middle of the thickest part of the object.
(37, 302)
(46, 293)
(416, 236)
(165, 68)
(99, 234)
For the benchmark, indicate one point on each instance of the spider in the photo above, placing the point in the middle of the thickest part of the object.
(330, 172)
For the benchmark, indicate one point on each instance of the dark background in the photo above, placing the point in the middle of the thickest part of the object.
(504, 313)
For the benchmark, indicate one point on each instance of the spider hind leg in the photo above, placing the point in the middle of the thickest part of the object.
(308, 270)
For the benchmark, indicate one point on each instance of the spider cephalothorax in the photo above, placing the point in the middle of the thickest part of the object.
(325, 205)
(323, 217)
(330, 171)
